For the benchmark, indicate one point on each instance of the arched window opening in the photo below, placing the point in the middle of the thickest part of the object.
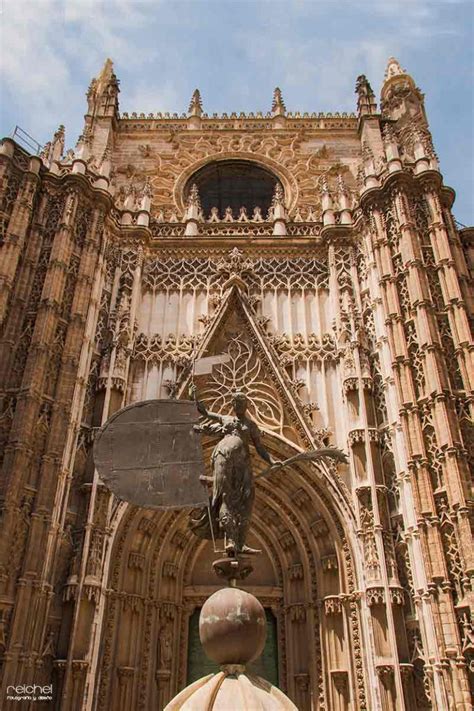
(233, 184)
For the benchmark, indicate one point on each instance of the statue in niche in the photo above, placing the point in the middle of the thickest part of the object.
(165, 646)
(233, 488)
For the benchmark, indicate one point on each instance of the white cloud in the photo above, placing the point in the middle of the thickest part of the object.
(50, 50)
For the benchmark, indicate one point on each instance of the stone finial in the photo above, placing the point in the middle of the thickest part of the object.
(193, 213)
(278, 211)
(228, 215)
(45, 152)
(53, 150)
(323, 185)
(278, 195)
(57, 144)
(343, 196)
(278, 105)
(80, 150)
(147, 189)
(130, 198)
(193, 199)
(145, 197)
(195, 105)
(326, 201)
(366, 103)
(341, 186)
(393, 69)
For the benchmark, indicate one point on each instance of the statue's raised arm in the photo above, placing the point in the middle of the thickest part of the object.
(201, 406)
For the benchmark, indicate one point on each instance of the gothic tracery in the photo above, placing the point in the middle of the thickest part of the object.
(340, 307)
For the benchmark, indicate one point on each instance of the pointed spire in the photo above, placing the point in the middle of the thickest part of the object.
(341, 185)
(323, 184)
(326, 201)
(277, 212)
(343, 196)
(193, 212)
(399, 93)
(366, 103)
(146, 194)
(106, 75)
(147, 188)
(102, 94)
(278, 105)
(194, 200)
(195, 105)
(57, 144)
(53, 150)
(393, 69)
(278, 195)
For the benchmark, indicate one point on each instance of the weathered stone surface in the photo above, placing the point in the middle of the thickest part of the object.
(342, 311)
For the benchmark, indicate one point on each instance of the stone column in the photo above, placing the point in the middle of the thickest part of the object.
(18, 226)
(114, 374)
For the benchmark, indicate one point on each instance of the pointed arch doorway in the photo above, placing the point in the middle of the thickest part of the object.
(161, 574)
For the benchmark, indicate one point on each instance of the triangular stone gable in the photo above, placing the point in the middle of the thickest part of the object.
(253, 367)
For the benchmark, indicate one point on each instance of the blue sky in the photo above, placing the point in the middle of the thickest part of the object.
(236, 52)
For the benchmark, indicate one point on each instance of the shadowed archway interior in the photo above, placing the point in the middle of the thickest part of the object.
(234, 184)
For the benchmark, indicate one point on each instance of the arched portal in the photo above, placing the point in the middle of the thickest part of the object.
(161, 574)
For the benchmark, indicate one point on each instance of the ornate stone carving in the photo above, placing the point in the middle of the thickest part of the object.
(295, 572)
(332, 605)
(244, 371)
(375, 596)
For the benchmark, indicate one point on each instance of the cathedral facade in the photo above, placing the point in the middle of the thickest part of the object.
(317, 258)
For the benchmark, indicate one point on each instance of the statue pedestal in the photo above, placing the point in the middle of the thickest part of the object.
(162, 677)
(233, 568)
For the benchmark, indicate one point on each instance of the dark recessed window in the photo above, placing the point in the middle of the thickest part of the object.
(233, 184)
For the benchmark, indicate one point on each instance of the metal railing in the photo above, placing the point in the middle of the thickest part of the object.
(23, 138)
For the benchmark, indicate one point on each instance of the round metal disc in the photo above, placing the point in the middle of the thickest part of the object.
(150, 455)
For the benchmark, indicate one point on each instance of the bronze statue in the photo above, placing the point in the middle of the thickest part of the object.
(233, 489)
(150, 455)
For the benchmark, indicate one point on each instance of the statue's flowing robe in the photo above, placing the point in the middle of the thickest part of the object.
(233, 486)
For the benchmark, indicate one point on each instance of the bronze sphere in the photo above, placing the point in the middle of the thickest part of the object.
(232, 627)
